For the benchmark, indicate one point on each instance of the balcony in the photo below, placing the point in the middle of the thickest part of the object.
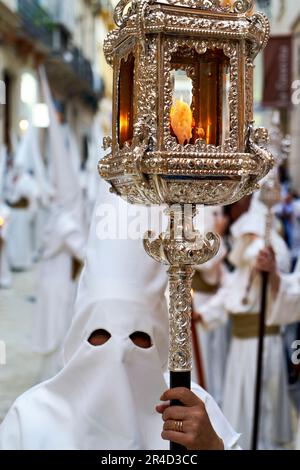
(68, 70)
(36, 21)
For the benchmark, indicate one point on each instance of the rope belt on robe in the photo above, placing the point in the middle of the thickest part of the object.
(22, 203)
(246, 326)
(200, 285)
(77, 267)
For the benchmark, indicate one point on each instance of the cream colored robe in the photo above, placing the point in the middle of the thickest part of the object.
(240, 376)
(286, 309)
(214, 344)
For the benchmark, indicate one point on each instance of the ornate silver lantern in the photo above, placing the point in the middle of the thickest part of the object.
(183, 128)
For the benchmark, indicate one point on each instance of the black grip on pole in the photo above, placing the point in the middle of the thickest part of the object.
(260, 356)
(179, 379)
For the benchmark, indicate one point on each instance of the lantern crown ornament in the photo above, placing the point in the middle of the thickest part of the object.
(183, 102)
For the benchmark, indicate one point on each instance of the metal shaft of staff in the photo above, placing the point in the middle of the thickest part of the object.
(180, 353)
(260, 363)
(179, 379)
(270, 195)
(197, 354)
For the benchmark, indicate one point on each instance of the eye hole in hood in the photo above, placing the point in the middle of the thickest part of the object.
(99, 337)
(141, 339)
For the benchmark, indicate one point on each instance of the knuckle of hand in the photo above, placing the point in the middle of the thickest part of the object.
(199, 416)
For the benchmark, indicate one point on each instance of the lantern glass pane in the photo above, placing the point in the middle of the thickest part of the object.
(201, 84)
(126, 99)
(225, 103)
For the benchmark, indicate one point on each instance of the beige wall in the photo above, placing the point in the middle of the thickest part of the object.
(16, 66)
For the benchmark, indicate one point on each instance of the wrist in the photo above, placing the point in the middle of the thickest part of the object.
(219, 444)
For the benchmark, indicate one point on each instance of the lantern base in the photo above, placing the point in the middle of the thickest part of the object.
(189, 176)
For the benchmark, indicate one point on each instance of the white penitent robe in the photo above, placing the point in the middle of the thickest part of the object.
(213, 344)
(57, 288)
(105, 397)
(63, 244)
(240, 378)
(5, 274)
(38, 422)
(20, 242)
(286, 309)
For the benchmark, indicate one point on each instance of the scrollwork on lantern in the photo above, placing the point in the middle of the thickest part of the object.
(180, 343)
(217, 6)
(176, 252)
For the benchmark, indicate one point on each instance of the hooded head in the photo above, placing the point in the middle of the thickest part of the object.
(105, 396)
(248, 226)
(66, 177)
(118, 273)
(249, 233)
(23, 160)
(29, 160)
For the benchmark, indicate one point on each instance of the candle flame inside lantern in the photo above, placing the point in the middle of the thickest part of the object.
(123, 124)
(124, 134)
(182, 121)
(2, 222)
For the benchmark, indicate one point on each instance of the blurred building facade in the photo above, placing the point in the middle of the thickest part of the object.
(67, 37)
(284, 46)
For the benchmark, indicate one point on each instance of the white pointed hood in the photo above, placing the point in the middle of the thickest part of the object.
(119, 270)
(121, 291)
(105, 396)
(95, 154)
(253, 222)
(66, 215)
(39, 168)
(29, 158)
(66, 178)
(23, 161)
